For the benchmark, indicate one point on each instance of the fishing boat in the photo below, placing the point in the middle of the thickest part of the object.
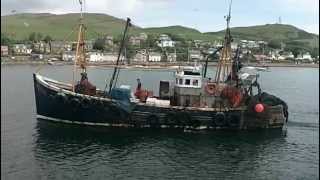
(232, 99)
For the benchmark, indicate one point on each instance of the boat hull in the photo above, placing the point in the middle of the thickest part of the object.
(60, 105)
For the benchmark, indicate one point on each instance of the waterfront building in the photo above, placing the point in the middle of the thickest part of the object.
(108, 40)
(154, 57)
(69, 56)
(4, 51)
(41, 47)
(195, 55)
(234, 46)
(21, 49)
(172, 57)
(165, 41)
(138, 39)
(87, 44)
(103, 57)
(58, 47)
(304, 56)
(140, 56)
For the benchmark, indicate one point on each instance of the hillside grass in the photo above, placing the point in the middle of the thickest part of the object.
(59, 26)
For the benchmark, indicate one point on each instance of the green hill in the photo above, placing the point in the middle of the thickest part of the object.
(183, 32)
(59, 26)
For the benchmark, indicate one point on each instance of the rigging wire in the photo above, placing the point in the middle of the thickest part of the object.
(61, 48)
(123, 58)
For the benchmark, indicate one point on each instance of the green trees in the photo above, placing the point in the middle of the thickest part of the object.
(315, 52)
(275, 44)
(6, 40)
(47, 39)
(296, 47)
(99, 44)
(35, 37)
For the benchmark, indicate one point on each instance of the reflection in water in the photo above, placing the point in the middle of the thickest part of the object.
(40, 150)
(174, 153)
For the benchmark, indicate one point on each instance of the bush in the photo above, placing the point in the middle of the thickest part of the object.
(275, 44)
(98, 44)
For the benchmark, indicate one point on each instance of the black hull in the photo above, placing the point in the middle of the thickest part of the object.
(59, 105)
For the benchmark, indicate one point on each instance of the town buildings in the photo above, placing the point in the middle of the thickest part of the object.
(165, 41)
(4, 51)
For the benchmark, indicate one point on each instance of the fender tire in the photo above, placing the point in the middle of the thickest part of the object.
(234, 120)
(220, 119)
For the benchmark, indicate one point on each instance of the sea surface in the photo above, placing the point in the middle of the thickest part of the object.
(32, 149)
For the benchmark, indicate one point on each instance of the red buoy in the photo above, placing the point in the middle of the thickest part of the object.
(259, 108)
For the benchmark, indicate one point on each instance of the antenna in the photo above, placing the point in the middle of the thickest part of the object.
(80, 2)
(229, 15)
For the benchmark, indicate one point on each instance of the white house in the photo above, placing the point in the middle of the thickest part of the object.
(234, 45)
(288, 55)
(252, 44)
(21, 49)
(69, 56)
(172, 57)
(60, 46)
(103, 57)
(108, 40)
(141, 56)
(195, 55)
(4, 50)
(305, 56)
(154, 57)
(165, 41)
(243, 43)
(217, 44)
(137, 40)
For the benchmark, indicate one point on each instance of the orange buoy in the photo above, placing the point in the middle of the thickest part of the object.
(210, 88)
(259, 108)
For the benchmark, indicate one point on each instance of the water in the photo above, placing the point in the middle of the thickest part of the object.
(32, 149)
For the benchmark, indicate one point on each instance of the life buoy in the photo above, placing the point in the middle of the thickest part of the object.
(234, 120)
(220, 119)
(210, 89)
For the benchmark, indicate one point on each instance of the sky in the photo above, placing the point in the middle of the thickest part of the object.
(203, 15)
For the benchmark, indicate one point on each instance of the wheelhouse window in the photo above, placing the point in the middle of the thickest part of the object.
(180, 81)
(191, 73)
(187, 82)
(195, 82)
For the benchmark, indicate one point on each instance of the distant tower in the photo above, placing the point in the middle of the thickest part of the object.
(280, 22)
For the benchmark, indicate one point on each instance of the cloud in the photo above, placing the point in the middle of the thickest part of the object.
(305, 6)
(146, 13)
(116, 7)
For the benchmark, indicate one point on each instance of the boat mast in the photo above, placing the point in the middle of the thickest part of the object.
(80, 59)
(225, 61)
(116, 68)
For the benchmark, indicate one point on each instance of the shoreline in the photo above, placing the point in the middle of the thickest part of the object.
(152, 65)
